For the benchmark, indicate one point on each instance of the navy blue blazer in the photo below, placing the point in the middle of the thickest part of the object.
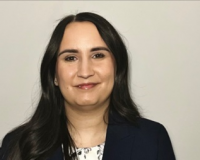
(147, 141)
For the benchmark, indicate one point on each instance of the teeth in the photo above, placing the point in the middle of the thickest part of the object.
(85, 87)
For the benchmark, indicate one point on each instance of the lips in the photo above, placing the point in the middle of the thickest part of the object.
(86, 85)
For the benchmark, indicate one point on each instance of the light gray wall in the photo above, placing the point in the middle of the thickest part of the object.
(163, 41)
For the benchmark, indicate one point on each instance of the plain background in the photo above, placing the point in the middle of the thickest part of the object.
(163, 40)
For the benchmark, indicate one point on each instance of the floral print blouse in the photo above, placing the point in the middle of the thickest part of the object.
(92, 153)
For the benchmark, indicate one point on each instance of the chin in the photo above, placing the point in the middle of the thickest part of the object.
(86, 103)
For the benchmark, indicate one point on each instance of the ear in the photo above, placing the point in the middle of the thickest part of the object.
(55, 81)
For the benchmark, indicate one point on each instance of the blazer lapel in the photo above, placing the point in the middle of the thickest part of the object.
(118, 146)
(58, 155)
(119, 142)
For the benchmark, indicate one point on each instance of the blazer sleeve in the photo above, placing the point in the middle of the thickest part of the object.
(165, 149)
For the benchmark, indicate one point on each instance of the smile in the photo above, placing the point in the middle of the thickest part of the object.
(86, 86)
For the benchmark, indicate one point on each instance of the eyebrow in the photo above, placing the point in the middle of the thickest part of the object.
(91, 50)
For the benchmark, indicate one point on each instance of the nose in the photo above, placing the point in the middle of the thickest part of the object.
(85, 69)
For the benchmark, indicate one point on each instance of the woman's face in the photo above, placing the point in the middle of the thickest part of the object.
(85, 67)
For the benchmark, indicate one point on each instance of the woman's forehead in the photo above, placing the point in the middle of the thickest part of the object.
(81, 35)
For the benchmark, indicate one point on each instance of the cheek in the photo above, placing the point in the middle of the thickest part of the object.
(108, 73)
(110, 69)
(65, 74)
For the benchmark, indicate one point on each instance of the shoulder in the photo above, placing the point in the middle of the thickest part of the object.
(153, 136)
(10, 137)
(142, 126)
(149, 125)
(148, 139)
(8, 142)
(4, 147)
(149, 130)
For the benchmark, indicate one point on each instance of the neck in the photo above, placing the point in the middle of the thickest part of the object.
(87, 127)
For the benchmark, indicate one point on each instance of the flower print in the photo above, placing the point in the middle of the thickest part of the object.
(87, 150)
(79, 151)
(91, 153)
(100, 151)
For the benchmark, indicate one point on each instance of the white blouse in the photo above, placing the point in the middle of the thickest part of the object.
(91, 153)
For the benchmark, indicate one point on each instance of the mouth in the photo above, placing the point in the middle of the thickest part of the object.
(86, 86)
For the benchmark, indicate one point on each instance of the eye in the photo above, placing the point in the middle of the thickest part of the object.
(70, 58)
(98, 55)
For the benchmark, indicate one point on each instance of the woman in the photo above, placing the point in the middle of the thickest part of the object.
(85, 110)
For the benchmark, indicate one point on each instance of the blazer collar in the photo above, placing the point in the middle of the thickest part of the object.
(119, 139)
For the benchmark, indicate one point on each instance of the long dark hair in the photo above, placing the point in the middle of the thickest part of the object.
(46, 130)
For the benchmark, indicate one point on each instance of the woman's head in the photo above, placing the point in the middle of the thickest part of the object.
(111, 40)
(84, 68)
